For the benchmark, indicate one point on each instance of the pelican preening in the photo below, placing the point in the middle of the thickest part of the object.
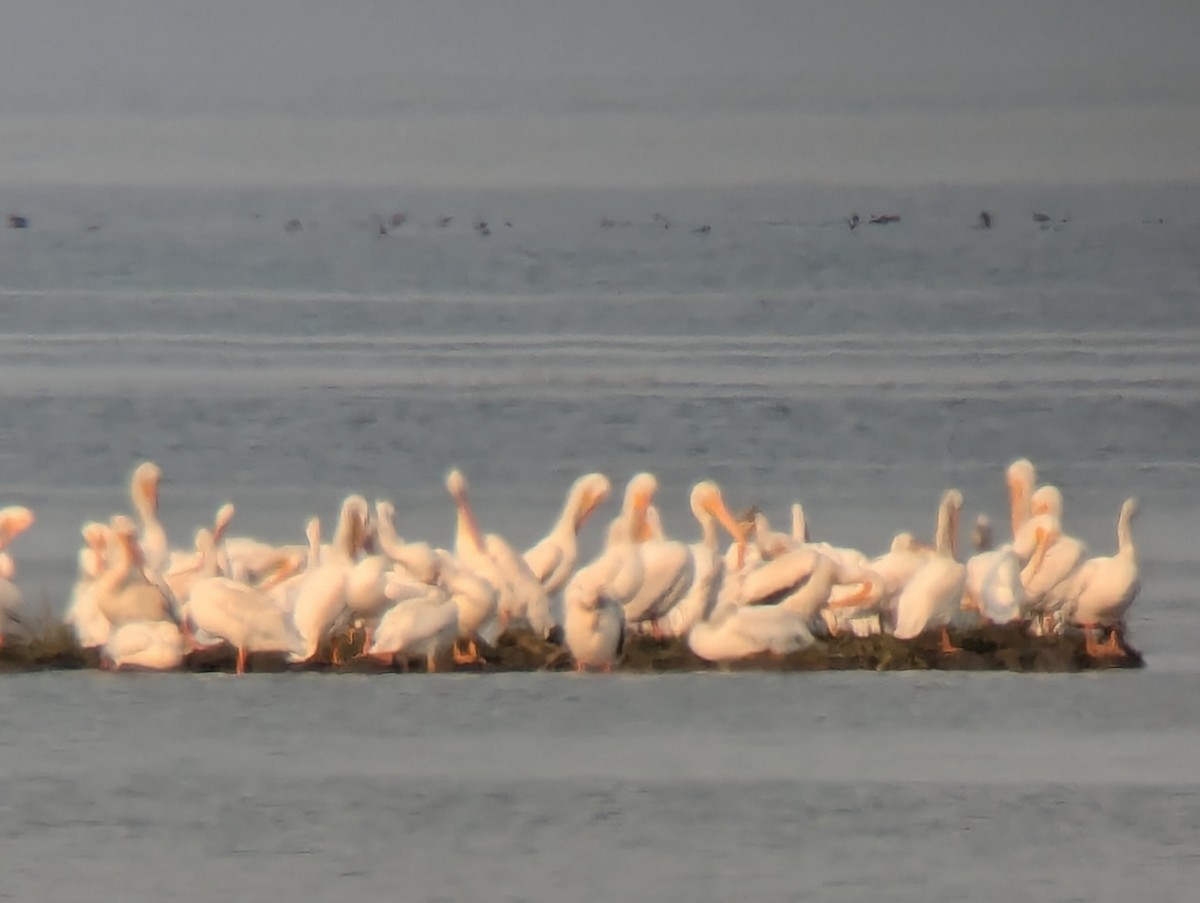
(145, 605)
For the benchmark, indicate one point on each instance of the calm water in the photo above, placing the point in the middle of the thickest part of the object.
(778, 353)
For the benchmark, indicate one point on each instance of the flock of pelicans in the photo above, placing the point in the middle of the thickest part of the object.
(147, 605)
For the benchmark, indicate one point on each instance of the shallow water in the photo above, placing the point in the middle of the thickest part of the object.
(900, 787)
(779, 353)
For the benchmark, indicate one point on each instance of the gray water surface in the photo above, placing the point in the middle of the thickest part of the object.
(779, 353)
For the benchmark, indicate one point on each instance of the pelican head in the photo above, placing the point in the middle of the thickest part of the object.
(640, 492)
(1047, 500)
(456, 484)
(144, 486)
(590, 492)
(708, 503)
(122, 525)
(1021, 471)
(981, 535)
(222, 521)
(706, 500)
(385, 511)
(638, 496)
(14, 521)
(95, 535)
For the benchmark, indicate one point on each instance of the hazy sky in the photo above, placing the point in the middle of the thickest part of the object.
(496, 92)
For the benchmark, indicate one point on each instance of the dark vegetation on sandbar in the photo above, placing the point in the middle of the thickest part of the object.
(46, 645)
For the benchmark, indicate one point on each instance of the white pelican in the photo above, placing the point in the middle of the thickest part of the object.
(632, 522)
(188, 567)
(934, 595)
(522, 600)
(739, 632)
(553, 559)
(994, 585)
(417, 558)
(1021, 477)
(1100, 592)
(14, 521)
(423, 626)
(88, 623)
(707, 569)
(123, 593)
(321, 597)
(185, 562)
(143, 492)
(367, 580)
(1051, 554)
(593, 613)
(145, 645)
(244, 617)
(668, 568)
(477, 603)
(803, 581)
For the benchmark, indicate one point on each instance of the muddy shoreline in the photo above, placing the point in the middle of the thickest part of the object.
(1007, 648)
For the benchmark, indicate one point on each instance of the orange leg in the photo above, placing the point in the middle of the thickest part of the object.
(946, 646)
(1114, 643)
(470, 657)
(241, 660)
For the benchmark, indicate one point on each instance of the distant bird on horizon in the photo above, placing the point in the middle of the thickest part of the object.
(1041, 217)
(882, 219)
(985, 219)
(853, 221)
(17, 221)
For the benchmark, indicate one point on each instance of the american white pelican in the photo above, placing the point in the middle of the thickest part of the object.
(593, 613)
(801, 581)
(244, 617)
(152, 539)
(123, 593)
(185, 561)
(321, 596)
(83, 615)
(668, 568)
(417, 558)
(367, 579)
(522, 600)
(736, 633)
(424, 626)
(707, 564)
(553, 559)
(632, 522)
(1021, 478)
(933, 596)
(1051, 555)
(1100, 592)
(994, 585)
(477, 602)
(144, 645)
(14, 521)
